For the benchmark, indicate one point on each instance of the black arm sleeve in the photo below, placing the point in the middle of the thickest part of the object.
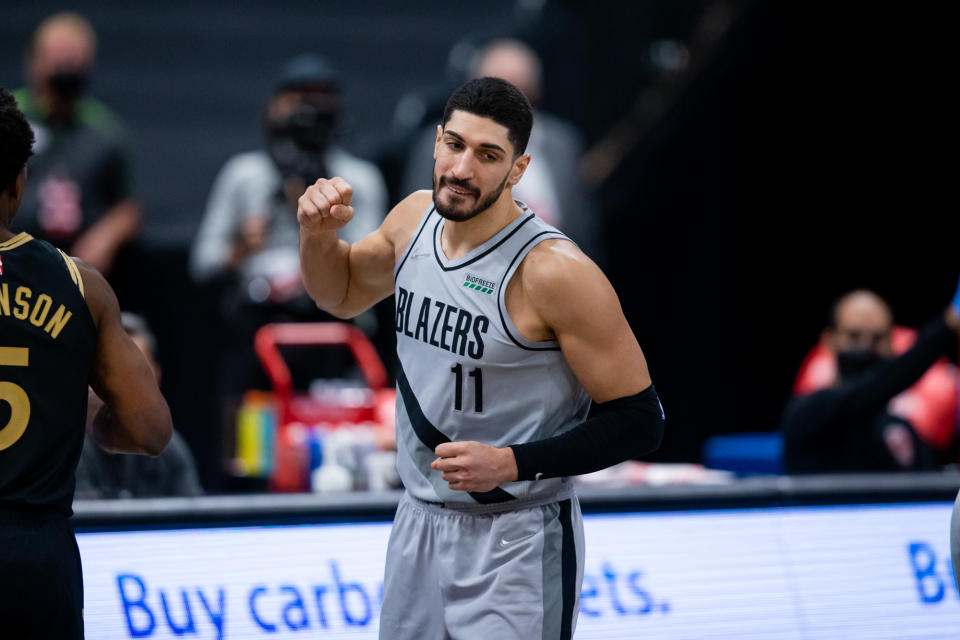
(620, 430)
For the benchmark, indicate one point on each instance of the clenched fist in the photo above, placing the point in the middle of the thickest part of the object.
(474, 466)
(325, 205)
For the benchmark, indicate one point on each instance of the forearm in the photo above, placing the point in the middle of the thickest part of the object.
(623, 429)
(106, 430)
(325, 268)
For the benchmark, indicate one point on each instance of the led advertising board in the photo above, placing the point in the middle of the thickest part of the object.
(806, 573)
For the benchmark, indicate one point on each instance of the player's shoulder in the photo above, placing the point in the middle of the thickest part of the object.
(554, 265)
(96, 290)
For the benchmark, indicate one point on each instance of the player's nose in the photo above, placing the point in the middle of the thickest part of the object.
(463, 167)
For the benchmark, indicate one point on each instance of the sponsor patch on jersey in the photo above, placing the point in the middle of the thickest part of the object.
(1, 265)
(479, 284)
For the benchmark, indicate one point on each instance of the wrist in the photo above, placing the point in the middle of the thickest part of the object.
(508, 465)
(321, 239)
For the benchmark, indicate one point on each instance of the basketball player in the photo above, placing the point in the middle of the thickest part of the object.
(59, 329)
(505, 332)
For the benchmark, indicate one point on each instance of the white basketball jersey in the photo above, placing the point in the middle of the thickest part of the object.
(465, 372)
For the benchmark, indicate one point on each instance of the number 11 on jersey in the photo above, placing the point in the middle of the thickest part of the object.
(477, 375)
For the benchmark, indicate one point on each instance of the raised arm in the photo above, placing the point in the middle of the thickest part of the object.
(344, 279)
(140, 420)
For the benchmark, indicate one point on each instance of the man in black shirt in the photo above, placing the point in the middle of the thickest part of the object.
(60, 330)
(80, 197)
(847, 427)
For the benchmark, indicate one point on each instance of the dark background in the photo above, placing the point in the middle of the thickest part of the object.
(810, 152)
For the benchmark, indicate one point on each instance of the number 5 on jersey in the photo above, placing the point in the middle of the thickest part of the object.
(15, 396)
(477, 376)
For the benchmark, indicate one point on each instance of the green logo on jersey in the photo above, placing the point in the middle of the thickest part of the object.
(479, 284)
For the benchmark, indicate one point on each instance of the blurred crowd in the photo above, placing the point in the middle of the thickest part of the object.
(870, 396)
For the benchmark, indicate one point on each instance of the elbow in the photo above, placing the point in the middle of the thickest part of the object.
(650, 437)
(658, 439)
(157, 444)
(341, 313)
(158, 435)
(338, 311)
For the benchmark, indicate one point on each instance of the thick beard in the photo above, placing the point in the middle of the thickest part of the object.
(482, 205)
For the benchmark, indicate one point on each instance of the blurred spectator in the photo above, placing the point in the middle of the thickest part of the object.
(249, 242)
(551, 186)
(848, 426)
(79, 196)
(249, 231)
(101, 474)
(930, 405)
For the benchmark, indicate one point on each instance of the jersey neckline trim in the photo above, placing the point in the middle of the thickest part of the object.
(480, 252)
(18, 240)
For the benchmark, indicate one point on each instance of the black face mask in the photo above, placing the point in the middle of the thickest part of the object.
(857, 361)
(310, 126)
(69, 85)
(297, 143)
(294, 161)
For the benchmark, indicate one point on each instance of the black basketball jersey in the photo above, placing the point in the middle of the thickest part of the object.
(47, 343)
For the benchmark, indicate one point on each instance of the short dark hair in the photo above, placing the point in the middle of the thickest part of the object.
(498, 100)
(16, 140)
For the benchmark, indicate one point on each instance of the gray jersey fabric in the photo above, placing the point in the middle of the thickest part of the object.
(466, 373)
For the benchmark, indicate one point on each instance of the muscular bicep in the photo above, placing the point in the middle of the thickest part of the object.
(578, 304)
(371, 259)
(370, 273)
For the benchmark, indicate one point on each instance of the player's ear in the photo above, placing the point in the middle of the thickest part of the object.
(437, 141)
(14, 192)
(519, 167)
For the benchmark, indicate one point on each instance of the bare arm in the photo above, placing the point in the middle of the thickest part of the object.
(578, 305)
(122, 377)
(345, 279)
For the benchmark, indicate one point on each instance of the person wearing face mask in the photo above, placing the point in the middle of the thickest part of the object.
(80, 196)
(247, 247)
(848, 427)
(249, 233)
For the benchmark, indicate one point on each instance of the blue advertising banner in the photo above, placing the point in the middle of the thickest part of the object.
(807, 573)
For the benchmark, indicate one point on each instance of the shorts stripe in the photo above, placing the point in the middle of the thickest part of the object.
(568, 572)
